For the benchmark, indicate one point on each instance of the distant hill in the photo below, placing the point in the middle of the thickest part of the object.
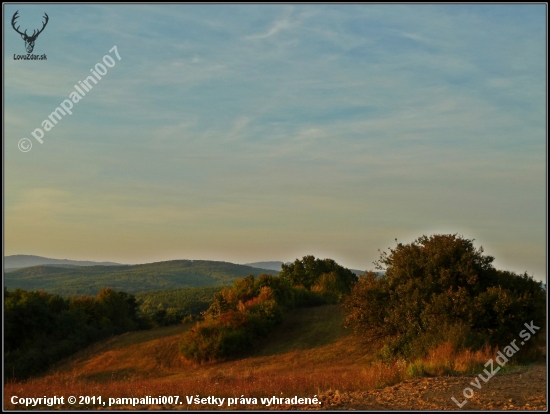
(19, 261)
(129, 278)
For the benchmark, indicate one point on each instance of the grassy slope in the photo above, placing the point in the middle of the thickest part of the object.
(131, 278)
(309, 354)
(313, 335)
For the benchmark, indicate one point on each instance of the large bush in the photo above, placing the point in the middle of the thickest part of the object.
(441, 288)
(237, 318)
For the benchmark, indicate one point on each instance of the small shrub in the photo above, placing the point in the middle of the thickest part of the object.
(416, 369)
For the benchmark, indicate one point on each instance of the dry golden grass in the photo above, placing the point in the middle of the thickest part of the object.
(308, 355)
(445, 360)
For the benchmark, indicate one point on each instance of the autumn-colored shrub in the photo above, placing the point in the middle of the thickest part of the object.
(240, 316)
(235, 320)
(212, 340)
(251, 308)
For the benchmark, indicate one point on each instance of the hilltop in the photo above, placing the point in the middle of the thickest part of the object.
(83, 280)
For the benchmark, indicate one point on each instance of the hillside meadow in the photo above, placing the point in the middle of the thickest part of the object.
(309, 354)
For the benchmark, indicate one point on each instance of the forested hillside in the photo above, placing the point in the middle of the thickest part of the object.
(88, 280)
(42, 328)
(170, 307)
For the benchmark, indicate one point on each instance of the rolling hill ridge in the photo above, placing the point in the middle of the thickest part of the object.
(19, 261)
(84, 280)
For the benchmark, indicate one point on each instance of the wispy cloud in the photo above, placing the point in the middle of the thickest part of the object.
(284, 23)
(280, 127)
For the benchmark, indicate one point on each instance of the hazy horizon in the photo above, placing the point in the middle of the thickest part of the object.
(247, 132)
(177, 258)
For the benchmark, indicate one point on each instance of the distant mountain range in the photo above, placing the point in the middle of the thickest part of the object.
(68, 279)
(23, 260)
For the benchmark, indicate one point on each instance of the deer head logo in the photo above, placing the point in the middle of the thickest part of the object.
(29, 40)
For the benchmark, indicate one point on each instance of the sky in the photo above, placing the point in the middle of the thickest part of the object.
(267, 132)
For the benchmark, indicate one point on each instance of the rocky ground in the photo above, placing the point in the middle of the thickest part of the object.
(521, 389)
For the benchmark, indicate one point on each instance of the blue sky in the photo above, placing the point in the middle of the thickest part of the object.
(267, 132)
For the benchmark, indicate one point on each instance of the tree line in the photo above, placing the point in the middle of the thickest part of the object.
(41, 328)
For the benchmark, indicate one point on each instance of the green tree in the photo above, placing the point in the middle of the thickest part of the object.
(442, 288)
(308, 271)
(118, 309)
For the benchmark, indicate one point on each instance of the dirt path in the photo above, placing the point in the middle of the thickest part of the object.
(521, 389)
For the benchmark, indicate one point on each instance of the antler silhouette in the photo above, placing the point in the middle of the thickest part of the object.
(34, 36)
(29, 40)
(15, 16)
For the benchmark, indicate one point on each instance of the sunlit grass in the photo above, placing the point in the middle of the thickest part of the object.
(309, 354)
